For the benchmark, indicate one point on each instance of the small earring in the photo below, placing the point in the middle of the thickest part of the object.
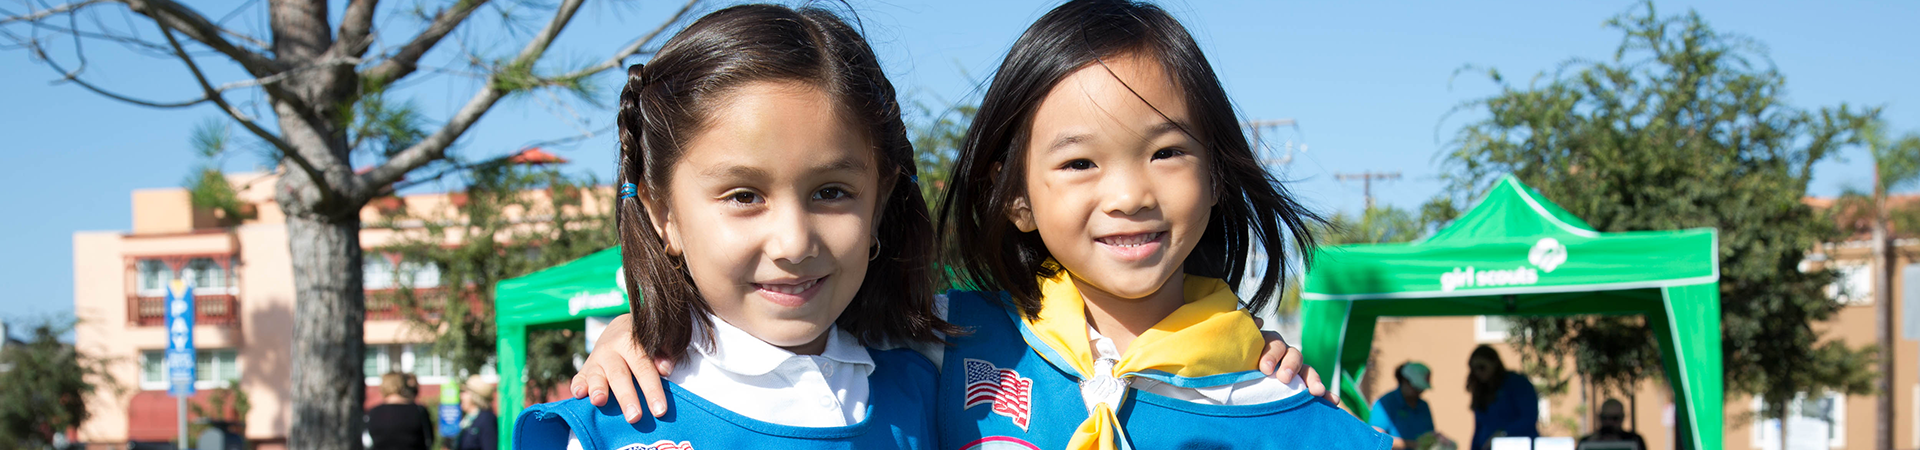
(875, 252)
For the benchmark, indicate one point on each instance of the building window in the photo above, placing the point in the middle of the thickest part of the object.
(1854, 287)
(417, 359)
(207, 275)
(419, 275)
(378, 272)
(1813, 422)
(154, 277)
(382, 274)
(213, 369)
(1491, 328)
(426, 363)
(376, 363)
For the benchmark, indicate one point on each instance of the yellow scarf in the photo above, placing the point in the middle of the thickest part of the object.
(1206, 342)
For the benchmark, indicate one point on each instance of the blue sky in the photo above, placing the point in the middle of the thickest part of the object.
(1368, 82)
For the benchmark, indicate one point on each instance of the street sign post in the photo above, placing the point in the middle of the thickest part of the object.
(180, 364)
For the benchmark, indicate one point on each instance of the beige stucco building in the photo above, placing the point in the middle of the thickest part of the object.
(243, 280)
(1826, 422)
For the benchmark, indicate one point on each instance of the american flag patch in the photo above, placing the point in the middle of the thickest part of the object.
(1009, 393)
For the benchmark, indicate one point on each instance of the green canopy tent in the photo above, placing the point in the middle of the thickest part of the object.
(561, 296)
(1515, 253)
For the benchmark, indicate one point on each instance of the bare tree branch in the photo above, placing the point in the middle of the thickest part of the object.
(356, 29)
(286, 149)
(44, 13)
(407, 59)
(434, 147)
(169, 14)
(634, 47)
(74, 77)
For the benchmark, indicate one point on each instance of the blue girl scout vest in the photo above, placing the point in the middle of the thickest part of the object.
(899, 416)
(997, 393)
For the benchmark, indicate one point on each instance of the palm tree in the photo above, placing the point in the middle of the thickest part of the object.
(1896, 165)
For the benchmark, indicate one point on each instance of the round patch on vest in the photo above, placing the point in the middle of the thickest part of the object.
(1000, 443)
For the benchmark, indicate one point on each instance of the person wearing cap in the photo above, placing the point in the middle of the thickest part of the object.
(1401, 412)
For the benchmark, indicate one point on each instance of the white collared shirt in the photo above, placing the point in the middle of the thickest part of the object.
(750, 377)
(770, 384)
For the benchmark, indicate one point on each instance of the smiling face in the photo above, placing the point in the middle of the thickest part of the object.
(1119, 193)
(772, 208)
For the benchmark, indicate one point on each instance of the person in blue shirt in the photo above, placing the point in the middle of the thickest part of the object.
(1504, 403)
(1401, 413)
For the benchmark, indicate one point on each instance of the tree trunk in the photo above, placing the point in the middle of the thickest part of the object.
(1883, 302)
(329, 389)
(1786, 413)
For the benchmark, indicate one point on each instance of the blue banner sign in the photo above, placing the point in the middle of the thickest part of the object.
(180, 364)
(450, 419)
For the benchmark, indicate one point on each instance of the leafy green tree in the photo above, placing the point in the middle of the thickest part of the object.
(47, 384)
(1684, 127)
(937, 133)
(304, 87)
(1379, 225)
(511, 220)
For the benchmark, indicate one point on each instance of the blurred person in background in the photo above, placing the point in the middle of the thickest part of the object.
(1403, 414)
(479, 427)
(1612, 416)
(1504, 403)
(399, 423)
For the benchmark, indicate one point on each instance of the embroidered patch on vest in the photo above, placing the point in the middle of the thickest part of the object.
(662, 444)
(999, 443)
(1010, 394)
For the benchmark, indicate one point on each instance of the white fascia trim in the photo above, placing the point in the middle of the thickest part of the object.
(1519, 290)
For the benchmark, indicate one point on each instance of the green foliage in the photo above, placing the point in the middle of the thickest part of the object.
(1379, 225)
(937, 135)
(554, 367)
(46, 387)
(209, 188)
(514, 220)
(227, 404)
(211, 138)
(381, 127)
(1895, 160)
(517, 78)
(1681, 129)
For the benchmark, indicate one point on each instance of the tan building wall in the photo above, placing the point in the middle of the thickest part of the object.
(258, 328)
(1443, 343)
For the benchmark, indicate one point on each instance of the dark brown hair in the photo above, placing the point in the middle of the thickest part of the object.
(1254, 209)
(1483, 393)
(669, 100)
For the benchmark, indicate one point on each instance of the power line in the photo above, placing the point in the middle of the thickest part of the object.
(1366, 181)
(1257, 129)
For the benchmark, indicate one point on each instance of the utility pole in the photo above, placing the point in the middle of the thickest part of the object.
(1366, 181)
(1257, 128)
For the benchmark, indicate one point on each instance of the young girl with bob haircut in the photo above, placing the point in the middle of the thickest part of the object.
(763, 164)
(1105, 189)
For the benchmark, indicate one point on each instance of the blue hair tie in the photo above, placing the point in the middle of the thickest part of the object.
(628, 190)
(915, 179)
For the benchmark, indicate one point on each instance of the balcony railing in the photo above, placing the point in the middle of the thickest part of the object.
(387, 304)
(211, 309)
